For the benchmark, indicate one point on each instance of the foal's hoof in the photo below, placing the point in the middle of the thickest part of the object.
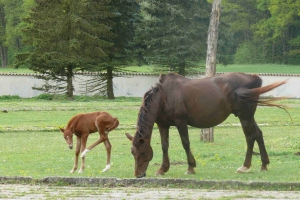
(106, 168)
(242, 169)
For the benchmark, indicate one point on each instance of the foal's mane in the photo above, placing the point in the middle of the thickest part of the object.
(72, 122)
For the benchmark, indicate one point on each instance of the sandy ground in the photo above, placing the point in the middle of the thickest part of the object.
(18, 191)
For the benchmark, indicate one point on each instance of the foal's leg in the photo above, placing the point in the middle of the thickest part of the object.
(100, 123)
(108, 153)
(164, 136)
(103, 137)
(183, 132)
(77, 151)
(84, 138)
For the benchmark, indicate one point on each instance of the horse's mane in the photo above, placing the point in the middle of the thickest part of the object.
(144, 113)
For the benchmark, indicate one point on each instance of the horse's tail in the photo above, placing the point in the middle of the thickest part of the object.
(114, 125)
(252, 90)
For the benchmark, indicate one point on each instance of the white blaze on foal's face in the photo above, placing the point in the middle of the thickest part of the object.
(68, 135)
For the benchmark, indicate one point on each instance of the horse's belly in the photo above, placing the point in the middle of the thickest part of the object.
(202, 121)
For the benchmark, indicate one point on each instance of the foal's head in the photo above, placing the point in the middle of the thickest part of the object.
(142, 153)
(68, 135)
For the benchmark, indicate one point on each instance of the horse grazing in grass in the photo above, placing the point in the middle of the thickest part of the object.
(84, 124)
(203, 103)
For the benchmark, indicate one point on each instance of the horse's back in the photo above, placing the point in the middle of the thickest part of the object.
(202, 102)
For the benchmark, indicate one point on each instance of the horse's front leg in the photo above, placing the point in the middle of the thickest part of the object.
(184, 135)
(84, 138)
(108, 153)
(77, 151)
(164, 136)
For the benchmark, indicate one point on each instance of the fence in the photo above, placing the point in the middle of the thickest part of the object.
(129, 84)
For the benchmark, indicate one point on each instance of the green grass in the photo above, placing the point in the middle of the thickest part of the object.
(250, 68)
(31, 144)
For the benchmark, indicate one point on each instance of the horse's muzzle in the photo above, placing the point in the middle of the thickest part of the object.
(71, 147)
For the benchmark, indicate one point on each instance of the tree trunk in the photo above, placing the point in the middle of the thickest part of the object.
(110, 88)
(4, 55)
(70, 87)
(207, 134)
(181, 70)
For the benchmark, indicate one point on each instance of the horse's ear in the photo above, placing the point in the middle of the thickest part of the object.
(62, 130)
(129, 136)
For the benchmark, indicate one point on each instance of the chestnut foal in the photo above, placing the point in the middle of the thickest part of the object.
(84, 124)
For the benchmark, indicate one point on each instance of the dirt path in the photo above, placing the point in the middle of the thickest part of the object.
(18, 191)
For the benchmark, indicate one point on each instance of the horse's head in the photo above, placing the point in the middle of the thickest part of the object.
(142, 153)
(68, 135)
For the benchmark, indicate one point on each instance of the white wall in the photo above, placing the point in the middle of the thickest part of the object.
(128, 85)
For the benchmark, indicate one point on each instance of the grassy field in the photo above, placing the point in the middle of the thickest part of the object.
(32, 145)
(250, 68)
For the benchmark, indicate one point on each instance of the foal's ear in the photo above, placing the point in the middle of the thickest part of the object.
(129, 136)
(62, 130)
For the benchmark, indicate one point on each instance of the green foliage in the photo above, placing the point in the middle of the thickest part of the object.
(173, 34)
(65, 38)
(10, 97)
(249, 53)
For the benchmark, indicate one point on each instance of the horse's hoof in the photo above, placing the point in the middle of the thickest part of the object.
(263, 169)
(242, 169)
(72, 171)
(190, 172)
(159, 173)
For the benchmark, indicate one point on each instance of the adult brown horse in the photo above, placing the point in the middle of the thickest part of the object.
(84, 124)
(203, 103)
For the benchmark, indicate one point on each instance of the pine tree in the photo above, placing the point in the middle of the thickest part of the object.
(66, 36)
(126, 13)
(173, 34)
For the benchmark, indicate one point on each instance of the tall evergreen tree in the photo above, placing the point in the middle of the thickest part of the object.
(3, 46)
(173, 34)
(66, 36)
(126, 13)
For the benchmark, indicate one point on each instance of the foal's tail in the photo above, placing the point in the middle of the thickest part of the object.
(114, 125)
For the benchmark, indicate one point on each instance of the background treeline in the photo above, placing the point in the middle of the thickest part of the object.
(58, 38)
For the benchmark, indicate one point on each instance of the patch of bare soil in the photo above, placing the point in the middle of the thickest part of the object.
(19, 191)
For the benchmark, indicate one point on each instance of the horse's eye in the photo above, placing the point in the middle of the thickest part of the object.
(143, 153)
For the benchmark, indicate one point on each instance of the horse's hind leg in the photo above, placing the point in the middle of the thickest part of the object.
(164, 135)
(183, 132)
(252, 133)
(263, 152)
(108, 152)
